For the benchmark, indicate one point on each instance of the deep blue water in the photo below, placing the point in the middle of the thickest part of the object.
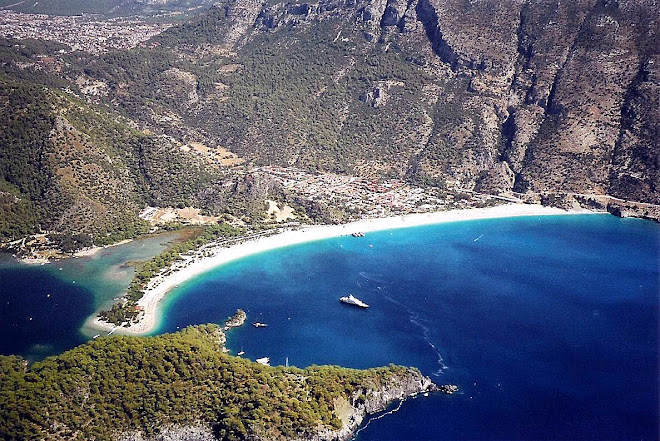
(43, 308)
(548, 325)
(40, 314)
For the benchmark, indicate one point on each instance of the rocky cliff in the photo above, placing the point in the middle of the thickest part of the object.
(351, 413)
(546, 100)
(539, 97)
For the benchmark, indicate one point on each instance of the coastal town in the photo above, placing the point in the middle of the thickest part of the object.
(362, 197)
(93, 34)
(353, 198)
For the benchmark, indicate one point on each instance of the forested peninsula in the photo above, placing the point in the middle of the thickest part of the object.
(123, 387)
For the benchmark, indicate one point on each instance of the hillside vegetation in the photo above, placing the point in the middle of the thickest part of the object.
(532, 97)
(73, 168)
(548, 99)
(122, 385)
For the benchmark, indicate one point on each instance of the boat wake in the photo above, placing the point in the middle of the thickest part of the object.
(370, 277)
(414, 318)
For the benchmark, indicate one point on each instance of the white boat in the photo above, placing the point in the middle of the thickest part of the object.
(241, 353)
(351, 300)
(265, 361)
(259, 325)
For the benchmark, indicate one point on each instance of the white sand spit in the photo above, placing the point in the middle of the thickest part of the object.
(160, 285)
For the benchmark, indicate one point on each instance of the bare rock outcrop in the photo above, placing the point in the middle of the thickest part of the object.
(534, 97)
(352, 412)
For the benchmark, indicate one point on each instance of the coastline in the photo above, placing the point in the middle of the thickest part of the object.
(190, 267)
(86, 252)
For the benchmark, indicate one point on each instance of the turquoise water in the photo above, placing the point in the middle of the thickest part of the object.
(548, 325)
(43, 308)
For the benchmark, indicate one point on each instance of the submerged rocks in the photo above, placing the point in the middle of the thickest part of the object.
(448, 389)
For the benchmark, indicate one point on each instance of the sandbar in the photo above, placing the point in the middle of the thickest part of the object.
(85, 252)
(216, 254)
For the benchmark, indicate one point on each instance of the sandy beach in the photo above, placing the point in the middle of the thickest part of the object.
(93, 250)
(219, 255)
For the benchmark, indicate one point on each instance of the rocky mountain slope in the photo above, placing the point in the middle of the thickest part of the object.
(498, 96)
(546, 100)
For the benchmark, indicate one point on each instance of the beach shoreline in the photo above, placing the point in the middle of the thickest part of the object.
(219, 255)
(86, 252)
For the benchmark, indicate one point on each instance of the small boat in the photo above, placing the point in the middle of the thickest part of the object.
(259, 325)
(97, 336)
(351, 300)
(241, 353)
(265, 361)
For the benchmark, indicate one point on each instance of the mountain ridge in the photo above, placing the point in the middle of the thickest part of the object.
(515, 107)
(543, 101)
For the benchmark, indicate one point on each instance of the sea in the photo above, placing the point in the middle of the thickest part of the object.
(548, 325)
(44, 308)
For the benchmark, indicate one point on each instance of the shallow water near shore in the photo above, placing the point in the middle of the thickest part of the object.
(548, 325)
(43, 308)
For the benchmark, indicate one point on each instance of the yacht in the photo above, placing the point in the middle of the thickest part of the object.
(265, 361)
(259, 325)
(351, 300)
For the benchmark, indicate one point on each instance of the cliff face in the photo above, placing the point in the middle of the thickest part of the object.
(541, 97)
(352, 413)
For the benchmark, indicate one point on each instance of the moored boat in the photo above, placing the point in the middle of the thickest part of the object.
(351, 300)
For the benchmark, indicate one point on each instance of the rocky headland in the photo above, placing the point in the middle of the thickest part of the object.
(351, 412)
